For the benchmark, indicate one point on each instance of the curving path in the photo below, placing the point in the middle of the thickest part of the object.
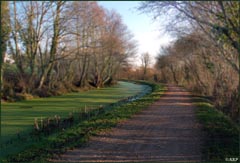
(167, 131)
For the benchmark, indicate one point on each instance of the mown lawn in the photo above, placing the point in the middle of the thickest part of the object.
(52, 145)
(19, 117)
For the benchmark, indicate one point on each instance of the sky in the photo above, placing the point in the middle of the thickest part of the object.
(145, 30)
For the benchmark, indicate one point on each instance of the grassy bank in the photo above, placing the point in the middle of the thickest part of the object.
(49, 146)
(17, 118)
(222, 135)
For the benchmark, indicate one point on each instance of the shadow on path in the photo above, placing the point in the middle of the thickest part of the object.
(167, 131)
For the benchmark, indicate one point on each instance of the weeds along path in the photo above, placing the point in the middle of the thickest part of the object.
(167, 131)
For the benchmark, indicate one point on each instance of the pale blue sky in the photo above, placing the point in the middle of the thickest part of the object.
(145, 30)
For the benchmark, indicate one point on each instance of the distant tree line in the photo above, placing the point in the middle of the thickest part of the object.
(55, 47)
(205, 55)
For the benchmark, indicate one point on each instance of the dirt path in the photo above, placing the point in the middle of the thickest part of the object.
(167, 131)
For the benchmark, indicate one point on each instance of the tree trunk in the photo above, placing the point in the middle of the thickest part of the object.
(174, 74)
(56, 28)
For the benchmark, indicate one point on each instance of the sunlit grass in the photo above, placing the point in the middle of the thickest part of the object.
(78, 134)
(19, 116)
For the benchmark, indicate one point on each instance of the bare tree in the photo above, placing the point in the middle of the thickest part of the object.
(54, 44)
(4, 34)
(189, 61)
(145, 59)
(57, 46)
(217, 19)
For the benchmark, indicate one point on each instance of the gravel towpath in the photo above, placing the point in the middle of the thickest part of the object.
(166, 131)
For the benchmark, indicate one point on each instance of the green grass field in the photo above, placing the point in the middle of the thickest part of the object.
(19, 116)
(40, 148)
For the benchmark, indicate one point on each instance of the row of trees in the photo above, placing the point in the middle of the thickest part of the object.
(56, 45)
(145, 71)
(205, 56)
